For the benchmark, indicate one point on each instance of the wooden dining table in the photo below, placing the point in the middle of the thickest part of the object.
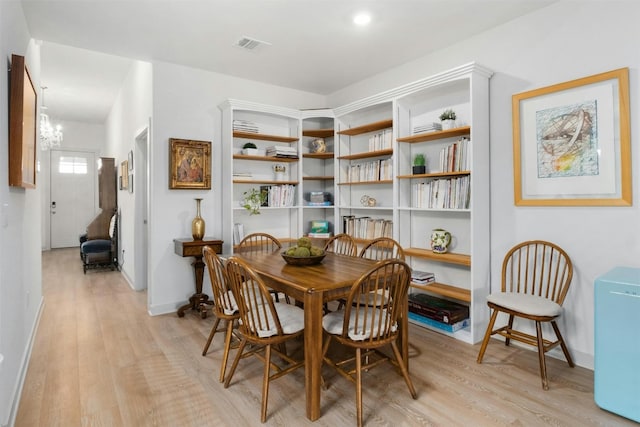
(314, 285)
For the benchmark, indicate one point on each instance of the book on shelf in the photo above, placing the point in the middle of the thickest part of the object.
(428, 127)
(422, 277)
(279, 196)
(366, 227)
(327, 203)
(417, 318)
(282, 151)
(446, 193)
(455, 157)
(242, 176)
(438, 309)
(319, 235)
(319, 226)
(238, 233)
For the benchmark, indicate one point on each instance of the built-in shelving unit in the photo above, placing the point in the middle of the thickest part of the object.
(375, 133)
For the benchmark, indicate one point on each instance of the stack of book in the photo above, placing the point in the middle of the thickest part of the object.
(437, 312)
(282, 151)
(319, 229)
(242, 176)
(245, 126)
(429, 127)
(422, 277)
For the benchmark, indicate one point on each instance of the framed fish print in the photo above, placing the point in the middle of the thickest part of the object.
(571, 143)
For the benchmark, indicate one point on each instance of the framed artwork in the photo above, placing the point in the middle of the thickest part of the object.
(124, 175)
(189, 164)
(571, 143)
(130, 160)
(22, 125)
(130, 181)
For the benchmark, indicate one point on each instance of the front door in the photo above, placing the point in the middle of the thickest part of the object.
(72, 196)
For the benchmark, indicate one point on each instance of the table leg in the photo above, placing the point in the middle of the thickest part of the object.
(313, 352)
(197, 301)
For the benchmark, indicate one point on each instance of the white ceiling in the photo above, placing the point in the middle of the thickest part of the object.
(314, 45)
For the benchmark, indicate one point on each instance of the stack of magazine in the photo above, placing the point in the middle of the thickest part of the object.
(429, 127)
(282, 151)
(422, 277)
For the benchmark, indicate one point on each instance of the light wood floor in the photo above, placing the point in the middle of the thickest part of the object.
(100, 360)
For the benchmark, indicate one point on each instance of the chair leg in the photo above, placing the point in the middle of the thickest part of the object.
(565, 350)
(243, 343)
(507, 340)
(543, 365)
(403, 369)
(227, 346)
(211, 334)
(265, 382)
(487, 335)
(359, 386)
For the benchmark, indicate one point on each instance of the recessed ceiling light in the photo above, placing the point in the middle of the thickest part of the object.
(362, 18)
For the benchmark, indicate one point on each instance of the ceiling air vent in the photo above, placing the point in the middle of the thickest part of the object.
(251, 44)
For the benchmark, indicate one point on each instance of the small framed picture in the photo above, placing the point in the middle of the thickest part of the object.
(130, 183)
(130, 159)
(190, 164)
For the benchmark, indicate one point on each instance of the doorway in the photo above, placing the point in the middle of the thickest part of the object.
(141, 209)
(72, 206)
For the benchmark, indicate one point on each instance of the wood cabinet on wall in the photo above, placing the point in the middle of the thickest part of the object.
(374, 142)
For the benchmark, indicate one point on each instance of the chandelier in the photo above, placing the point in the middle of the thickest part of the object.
(50, 136)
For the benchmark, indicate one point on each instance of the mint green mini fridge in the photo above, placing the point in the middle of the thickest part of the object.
(617, 342)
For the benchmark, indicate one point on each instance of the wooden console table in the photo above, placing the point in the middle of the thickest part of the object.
(193, 248)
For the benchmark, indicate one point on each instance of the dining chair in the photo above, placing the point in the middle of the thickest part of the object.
(379, 249)
(536, 276)
(264, 324)
(367, 328)
(224, 304)
(261, 242)
(382, 248)
(342, 244)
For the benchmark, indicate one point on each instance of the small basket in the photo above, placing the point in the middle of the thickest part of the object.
(303, 260)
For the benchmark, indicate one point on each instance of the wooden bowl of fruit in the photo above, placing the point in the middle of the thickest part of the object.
(303, 253)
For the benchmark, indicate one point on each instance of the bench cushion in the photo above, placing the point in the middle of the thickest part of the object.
(96, 246)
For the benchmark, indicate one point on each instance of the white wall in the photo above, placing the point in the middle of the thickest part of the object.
(78, 136)
(185, 105)
(20, 231)
(565, 41)
(127, 118)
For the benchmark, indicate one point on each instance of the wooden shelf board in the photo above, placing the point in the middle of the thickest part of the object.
(328, 155)
(264, 137)
(448, 258)
(265, 158)
(440, 134)
(369, 127)
(262, 181)
(445, 290)
(318, 133)
(386, 181)
(434, 175)
(367, 154)
(317, 178)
